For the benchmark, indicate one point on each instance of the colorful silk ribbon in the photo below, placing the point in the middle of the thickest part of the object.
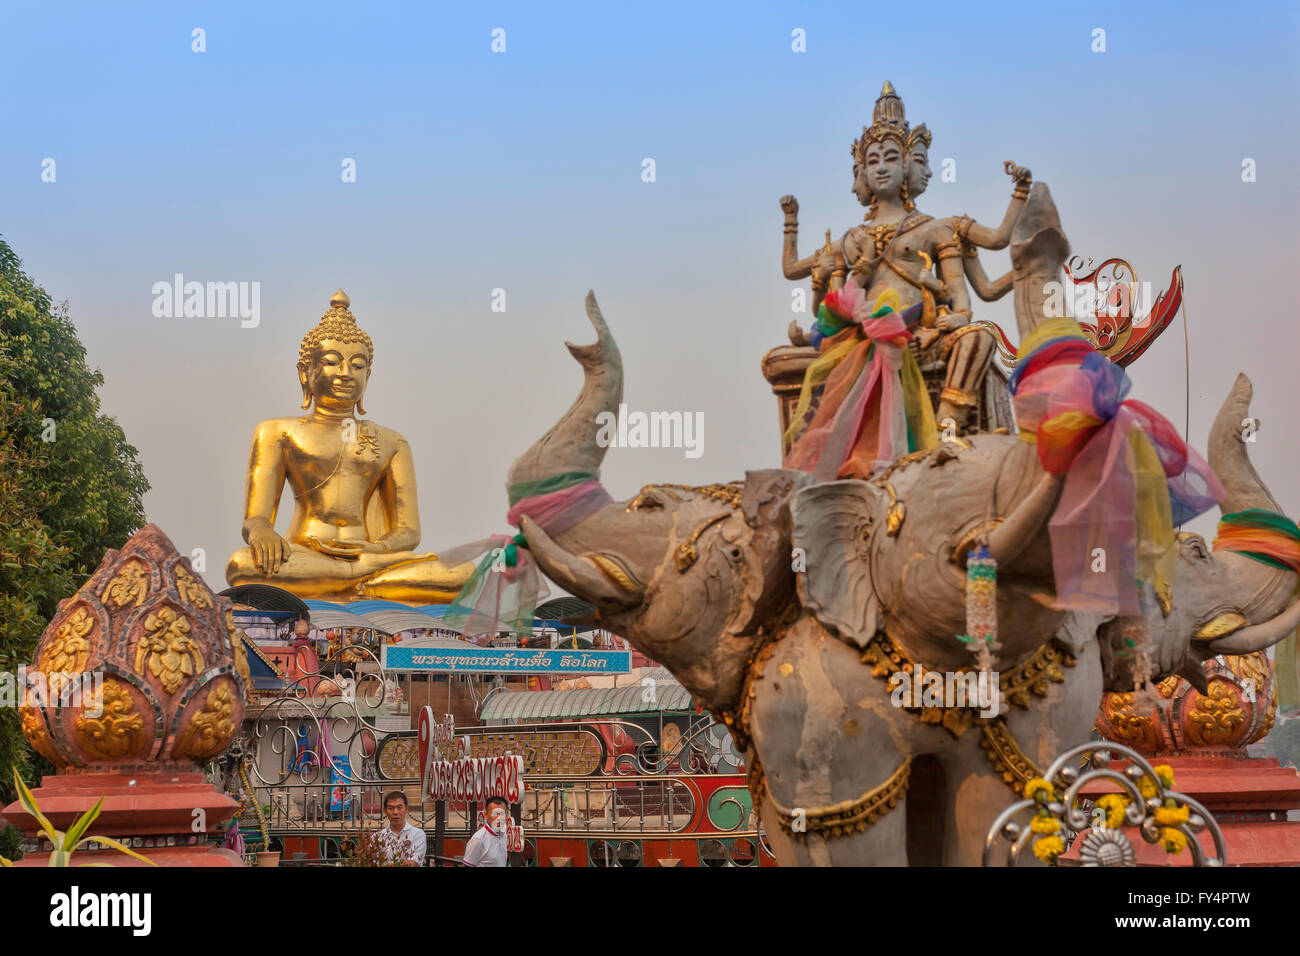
(1265, 536)
(873, 405)
(1271, 539)
(1129, 480)
(503, 591)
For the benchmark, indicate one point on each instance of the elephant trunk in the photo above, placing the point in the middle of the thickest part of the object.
(1038, 251)
(571, 443)
(1227, 452)
(1243, 489)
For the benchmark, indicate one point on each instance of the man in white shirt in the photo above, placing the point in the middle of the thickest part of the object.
(402, 841)
(487, 847)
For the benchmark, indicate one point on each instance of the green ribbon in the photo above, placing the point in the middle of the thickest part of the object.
(544, 486)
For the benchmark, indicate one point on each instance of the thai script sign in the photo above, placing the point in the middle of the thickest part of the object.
(505, 660)
(465, 779)
(566, 752)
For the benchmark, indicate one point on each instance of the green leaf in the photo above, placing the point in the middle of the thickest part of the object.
(29, 804)
(83, 823)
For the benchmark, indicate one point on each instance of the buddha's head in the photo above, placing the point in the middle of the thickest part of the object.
(334, 360)
(890, 160)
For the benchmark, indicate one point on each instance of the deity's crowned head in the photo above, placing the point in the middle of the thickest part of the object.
(335, 358)
(890, 158)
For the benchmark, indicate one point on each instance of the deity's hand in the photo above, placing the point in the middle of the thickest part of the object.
(268, 548)
(790, 206)
(864, 269)
(822, 267)
(348, 550)
(951, 320)
(797, 335)
(932, 282)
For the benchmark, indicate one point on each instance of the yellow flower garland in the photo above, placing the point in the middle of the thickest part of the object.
(1048, 848)
(1114, 804)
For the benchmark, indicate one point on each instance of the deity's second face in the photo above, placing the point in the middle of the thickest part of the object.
(860, 187)
(918, 171)
(885, 169)
(338, 374)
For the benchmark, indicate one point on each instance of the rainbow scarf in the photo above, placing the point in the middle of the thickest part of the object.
(503, 591)
(1129, 476)
(1264, 536)
(873, 407)
(1271, 539)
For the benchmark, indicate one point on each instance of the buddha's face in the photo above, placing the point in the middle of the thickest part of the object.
(918, 171)
(885, 169)
(339, 372)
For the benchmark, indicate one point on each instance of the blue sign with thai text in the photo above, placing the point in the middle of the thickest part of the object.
(505, 660)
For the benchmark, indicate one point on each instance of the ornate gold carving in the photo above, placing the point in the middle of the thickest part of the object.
(839, 819)
(1036, 675)
(35, 732)
(118, 731)
(1220, 626)
(1006, 756)
(70, 650)
(1257, 667)
(129, 586)
(239, 652)
(1129, 725)
(1033, 676)
(897, 512)
(1217, 719)
(168, 649)
(210, 730)
(191, 589)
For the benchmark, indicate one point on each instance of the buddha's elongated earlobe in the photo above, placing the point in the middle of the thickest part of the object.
(306, 391)
(361, 409)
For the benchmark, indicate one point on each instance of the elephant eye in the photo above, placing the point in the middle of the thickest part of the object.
(1194, 548)
(645, 502)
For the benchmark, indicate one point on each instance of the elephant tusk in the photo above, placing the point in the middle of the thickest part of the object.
(1259, 636)
(594, 580)
(1026, 522)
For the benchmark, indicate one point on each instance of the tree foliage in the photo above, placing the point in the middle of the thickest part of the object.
(71, 486)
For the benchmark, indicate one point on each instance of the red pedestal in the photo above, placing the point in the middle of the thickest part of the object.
(1248, 796)
(157, 807)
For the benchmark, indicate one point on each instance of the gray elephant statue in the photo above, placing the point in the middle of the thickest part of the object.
(789, 608)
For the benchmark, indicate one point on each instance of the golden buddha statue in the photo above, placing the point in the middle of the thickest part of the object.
(356, 519)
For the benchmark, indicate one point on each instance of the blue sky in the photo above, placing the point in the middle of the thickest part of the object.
(522, 170)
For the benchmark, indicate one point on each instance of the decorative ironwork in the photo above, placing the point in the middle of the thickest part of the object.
(1106, 846)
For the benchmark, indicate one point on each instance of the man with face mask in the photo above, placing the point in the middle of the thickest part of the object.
(487, 847)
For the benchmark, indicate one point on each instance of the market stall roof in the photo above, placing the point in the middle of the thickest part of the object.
(266, 597)
(560, 609)
(543, 704)
(395, 621)
(325, 615)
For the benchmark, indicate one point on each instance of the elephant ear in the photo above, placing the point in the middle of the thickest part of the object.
(767, 577)
(834, 524)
